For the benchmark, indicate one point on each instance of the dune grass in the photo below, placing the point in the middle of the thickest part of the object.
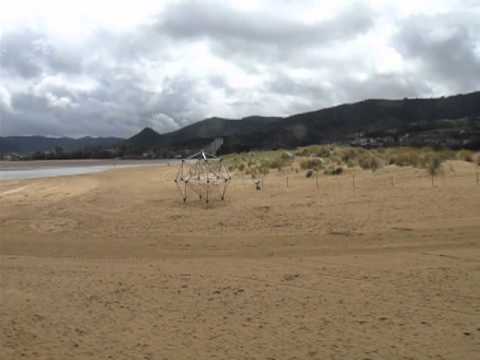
(335, 159)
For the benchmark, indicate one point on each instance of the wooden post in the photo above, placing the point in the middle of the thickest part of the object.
(224, 189)
(208, 181)
(316, 179)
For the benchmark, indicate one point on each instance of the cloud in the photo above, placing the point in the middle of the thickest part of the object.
(262, 35)
(218, 21)
(445, 47)
(116, 105)
(28, 53)
(5, 100)
(182, 61)
(305, 93)
(62, 102)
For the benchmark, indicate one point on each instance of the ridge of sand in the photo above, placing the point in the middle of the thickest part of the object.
(114, 266)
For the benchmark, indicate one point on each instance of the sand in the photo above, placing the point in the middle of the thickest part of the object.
(114, 266)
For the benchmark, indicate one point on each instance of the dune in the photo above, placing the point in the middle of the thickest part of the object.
(114, 265)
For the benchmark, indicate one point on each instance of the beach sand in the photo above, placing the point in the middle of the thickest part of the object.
(114, 265)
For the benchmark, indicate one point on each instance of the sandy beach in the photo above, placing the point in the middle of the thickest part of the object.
(114, 265)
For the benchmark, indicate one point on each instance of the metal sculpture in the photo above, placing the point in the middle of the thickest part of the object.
(203, 174)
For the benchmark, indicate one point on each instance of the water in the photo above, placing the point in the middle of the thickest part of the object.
(44, 169)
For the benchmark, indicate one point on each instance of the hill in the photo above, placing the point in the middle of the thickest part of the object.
(32, 144)
(447, 121)
(195, 135)
(444, 122)
(452, 122)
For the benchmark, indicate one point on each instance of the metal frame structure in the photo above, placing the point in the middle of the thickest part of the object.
(203, 174)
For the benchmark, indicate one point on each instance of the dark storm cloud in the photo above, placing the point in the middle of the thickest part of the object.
(384, 86)
(117, 106)
(218, 21)
(312, 95)
(54, 102)
(115, 83)
(14, 58)
(444, 46)
(262, 35)
(144, 42)
(283, 84)
(27, 53)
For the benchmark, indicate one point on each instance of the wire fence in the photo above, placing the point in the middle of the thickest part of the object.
(358, 181)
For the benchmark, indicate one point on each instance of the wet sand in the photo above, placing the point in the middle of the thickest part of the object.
(42, 164)
(22, 170)
(113, 265)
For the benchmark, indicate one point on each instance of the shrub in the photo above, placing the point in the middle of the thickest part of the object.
(333, 171)
(349, 155)
(323, 151)
(465, 155)
(285, 156)
(309, 173)
(338, 171)
(434, 166)
(317, 150)
(405, 157)
(277, 163)
(370, 162)
(312, 163)
(350, 164)
(263, 170)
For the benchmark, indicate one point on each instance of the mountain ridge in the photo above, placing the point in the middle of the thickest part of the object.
(452, 121)
(36, 143)
(412, 122)
(197, 134)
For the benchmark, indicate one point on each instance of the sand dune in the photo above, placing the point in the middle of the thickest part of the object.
(114, 266)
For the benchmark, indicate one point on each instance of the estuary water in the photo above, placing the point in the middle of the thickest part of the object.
(18, 170)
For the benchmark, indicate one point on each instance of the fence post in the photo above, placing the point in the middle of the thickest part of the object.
(208, 182)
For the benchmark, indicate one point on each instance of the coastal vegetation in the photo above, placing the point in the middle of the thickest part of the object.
(334, 159)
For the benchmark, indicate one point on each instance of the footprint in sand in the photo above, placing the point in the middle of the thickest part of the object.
(53, 225)
(12, 191)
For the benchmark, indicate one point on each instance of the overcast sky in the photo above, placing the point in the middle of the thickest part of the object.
(96, 67)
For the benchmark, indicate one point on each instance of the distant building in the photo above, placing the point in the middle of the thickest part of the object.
(10, 157)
